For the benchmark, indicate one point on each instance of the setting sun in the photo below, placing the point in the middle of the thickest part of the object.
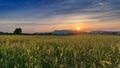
(78, 28)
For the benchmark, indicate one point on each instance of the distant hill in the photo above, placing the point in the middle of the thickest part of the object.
(71, 32)
(42, 33)
(62, 32)
(105, 32)
(67, 32)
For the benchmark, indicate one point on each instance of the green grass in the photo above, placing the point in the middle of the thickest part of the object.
(76, 51)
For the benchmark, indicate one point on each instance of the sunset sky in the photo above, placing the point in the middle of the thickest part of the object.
(49, 15)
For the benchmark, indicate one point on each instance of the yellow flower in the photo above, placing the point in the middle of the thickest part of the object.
(61, 54)
(118, 47)
(105, 62)
(61, 66)
(35, 60)
(30, 57)
(108, 62)
(28, 51)
(18, 65)
(56, 59)
(1, 59)
(38, 48)
(15, 66)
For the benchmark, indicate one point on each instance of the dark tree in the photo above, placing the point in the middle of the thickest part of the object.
(18, 31)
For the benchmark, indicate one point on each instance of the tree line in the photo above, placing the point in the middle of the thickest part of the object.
(16, 31)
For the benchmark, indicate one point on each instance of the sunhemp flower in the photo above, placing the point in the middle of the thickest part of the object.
(28, 51)
(15, 66)
(105, 62)
(118, 47)
(56, 59)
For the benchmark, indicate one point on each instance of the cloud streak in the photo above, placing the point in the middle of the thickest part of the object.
(28, 13)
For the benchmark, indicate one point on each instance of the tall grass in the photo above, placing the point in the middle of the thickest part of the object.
(77, 51)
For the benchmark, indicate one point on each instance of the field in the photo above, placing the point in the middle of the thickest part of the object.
(47, 51)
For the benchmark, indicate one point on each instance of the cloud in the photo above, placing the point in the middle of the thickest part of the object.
(38, 9)
(28, 13)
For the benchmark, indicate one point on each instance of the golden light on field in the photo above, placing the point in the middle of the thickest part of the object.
(78, 28)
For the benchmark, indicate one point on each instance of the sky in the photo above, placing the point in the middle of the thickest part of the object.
(49, 15)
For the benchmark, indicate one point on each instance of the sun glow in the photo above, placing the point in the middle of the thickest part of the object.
(78, 28)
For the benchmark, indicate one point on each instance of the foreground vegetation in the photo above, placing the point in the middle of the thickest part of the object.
(76, 51)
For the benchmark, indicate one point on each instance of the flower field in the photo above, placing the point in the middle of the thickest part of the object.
(47, 51)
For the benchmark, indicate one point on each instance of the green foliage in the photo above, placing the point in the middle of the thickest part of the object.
(18, 31)
(76, 51)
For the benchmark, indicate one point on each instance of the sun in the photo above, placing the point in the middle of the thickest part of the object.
(78, 28)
